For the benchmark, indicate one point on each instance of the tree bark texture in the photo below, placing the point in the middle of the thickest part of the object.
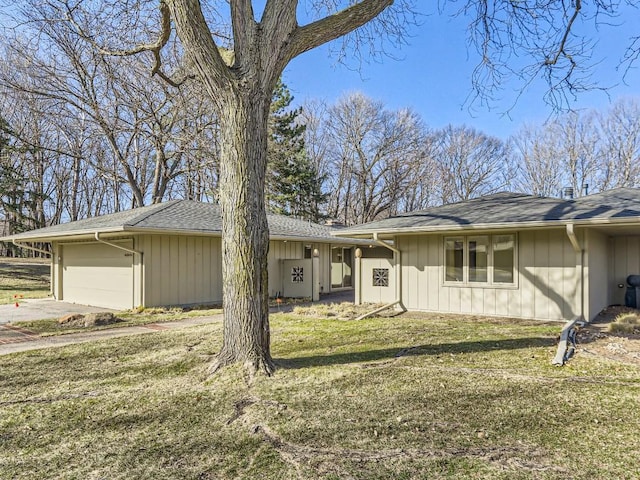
(245, 235)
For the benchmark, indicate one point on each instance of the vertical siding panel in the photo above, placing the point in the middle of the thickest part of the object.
(501, 306)
(541, 269)
(190, 270)
(199, 281)
(490, 299)
(412, 285)
(454, 299)
(569, 281)
(152, 248)
(423, 273)
(207, 278)
(182, 265)
(477, 300)
(558, 300)
(527, 277)
(465, 299)
(174, 270)
(433, 272)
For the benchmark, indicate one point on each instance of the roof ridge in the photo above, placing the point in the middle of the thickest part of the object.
(152, 211)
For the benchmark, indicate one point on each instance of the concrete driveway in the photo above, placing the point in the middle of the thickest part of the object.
(41, 308)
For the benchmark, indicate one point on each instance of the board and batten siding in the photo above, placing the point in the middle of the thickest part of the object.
(598, 289)
(181, 270)
(281, 250)
(187, 270)
(545, 286)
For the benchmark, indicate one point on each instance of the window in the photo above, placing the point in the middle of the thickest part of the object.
(453, 251)
(480, 259)
(503, 258)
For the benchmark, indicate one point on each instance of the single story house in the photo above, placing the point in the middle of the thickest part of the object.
(170, 254)
(506, 254)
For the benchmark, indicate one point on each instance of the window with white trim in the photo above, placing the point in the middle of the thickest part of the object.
(480, 259)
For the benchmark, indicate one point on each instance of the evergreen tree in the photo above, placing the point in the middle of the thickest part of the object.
(17, 200)
(293, 186)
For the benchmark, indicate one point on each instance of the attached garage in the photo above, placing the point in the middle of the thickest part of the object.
(96, 274)
(171, 254)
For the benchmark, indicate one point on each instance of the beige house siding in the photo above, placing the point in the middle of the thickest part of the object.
(173, 269)
(281, 250)
(544, 286)
(181, 270)
(364, 280)
(597, 285)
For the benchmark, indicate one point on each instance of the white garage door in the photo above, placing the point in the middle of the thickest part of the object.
(97, 274)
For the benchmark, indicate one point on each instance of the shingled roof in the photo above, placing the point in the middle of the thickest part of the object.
(510, 210)
(176, 216)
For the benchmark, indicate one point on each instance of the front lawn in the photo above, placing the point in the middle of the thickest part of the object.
(23, 278)
(415, 396)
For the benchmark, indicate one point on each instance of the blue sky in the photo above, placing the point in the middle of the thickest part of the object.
(433, 77)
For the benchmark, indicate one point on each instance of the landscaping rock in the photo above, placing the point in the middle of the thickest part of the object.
(88, 320)
(73, 319)
(99, 319)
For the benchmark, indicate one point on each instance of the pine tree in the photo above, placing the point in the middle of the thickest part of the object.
(293, 185)
(16, 199)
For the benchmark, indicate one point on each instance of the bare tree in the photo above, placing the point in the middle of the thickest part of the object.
(471, 164)
(368, 153)
(238, 64)
(620, 145)
(543, 40)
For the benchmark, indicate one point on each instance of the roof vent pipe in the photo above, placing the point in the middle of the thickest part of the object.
(567, 193)
(585, 189)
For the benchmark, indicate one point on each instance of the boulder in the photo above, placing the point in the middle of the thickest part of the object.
(99, 319)
(73, 319)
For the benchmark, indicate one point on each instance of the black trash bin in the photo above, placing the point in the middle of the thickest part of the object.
(632, 297)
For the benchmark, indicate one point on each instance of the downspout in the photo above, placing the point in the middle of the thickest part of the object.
(398, 270)
(130, 250)
(22, 245)
(569, 330)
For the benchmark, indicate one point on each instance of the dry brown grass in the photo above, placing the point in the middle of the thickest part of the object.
(411, 397)
(626, 323)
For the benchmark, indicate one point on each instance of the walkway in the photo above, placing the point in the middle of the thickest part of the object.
(15, 339)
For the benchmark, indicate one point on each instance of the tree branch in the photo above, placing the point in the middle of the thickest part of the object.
(155, 48)
(561, 47)
(244, 27)
(203, 51)
(334, 26)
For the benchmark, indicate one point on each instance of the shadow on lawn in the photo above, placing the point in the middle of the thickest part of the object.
(435, 350)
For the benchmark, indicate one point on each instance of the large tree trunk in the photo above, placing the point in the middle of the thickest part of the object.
(245, 233)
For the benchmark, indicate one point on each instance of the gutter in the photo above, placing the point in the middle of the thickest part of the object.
(397, 255)
(564, 352)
